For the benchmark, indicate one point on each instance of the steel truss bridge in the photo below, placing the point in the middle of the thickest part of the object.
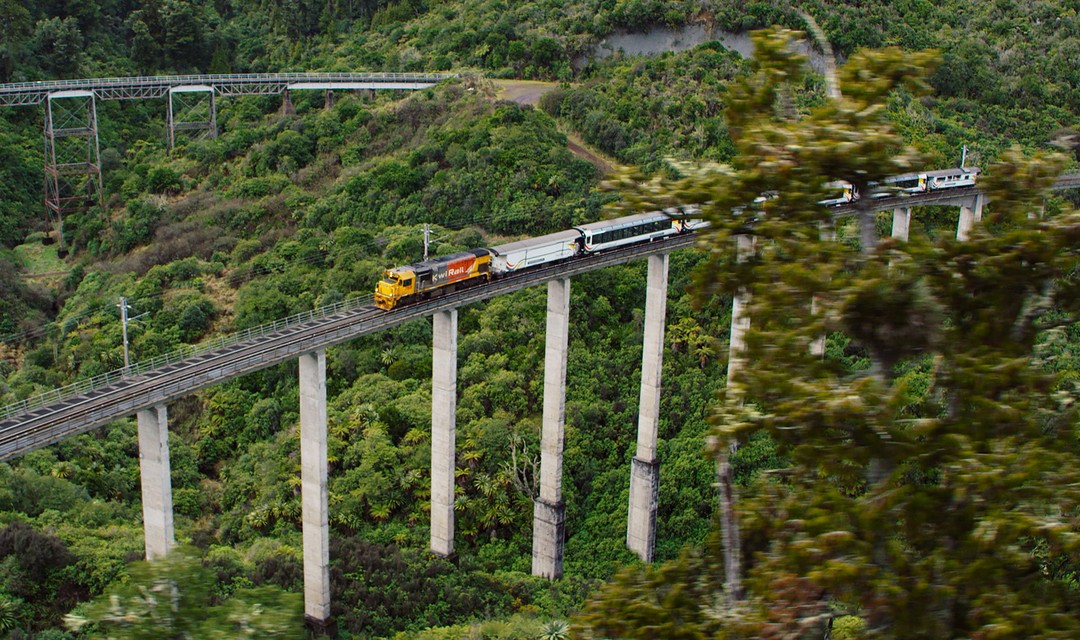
(144, 87)
(72, 150)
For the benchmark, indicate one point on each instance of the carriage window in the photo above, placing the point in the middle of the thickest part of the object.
(406, 283)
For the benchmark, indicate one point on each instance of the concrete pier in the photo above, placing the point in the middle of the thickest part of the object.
(740, 315)
(901, 223)
(313, 488)
(970, 213)
(549, 532)
(549, 510)
(644, 493)
(645, 468)
(156, 482)
(827, 233)
(443, 430)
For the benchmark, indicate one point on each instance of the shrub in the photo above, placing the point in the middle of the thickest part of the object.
(163, 180)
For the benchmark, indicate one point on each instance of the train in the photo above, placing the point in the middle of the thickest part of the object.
(909, 183)
(445, 274)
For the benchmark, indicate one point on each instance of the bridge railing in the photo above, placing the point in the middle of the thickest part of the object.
(45, 85)
(88, 385)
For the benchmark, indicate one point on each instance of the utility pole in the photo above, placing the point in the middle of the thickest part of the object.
(428, 240)
(124, 320)
(123, 327)
(963, 155)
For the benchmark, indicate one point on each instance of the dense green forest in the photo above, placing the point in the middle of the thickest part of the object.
(280, 214)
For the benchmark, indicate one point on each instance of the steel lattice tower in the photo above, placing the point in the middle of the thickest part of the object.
(191, 108)
(72, 154)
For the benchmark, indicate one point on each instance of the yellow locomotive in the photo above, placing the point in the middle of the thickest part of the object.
(435, 277)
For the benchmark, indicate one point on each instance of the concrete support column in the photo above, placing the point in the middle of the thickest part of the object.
(901, 223)
(970, 213)
(549, 512)
(287, 108)
(645, 468)
(827, 233)
(313, 489)
(443, 430)
(156, 482)
(328, 99)
(740, 314)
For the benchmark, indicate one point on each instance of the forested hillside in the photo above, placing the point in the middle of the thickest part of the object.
(283, 213)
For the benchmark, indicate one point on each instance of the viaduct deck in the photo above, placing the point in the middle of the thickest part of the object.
(134, 88)
(84, 406)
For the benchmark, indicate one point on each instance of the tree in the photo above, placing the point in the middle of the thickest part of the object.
(58, 45)
(171, 598)
(16, 21)
(37, 578)
(929, 492)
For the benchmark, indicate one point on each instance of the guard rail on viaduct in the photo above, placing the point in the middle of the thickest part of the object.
(143, 87)
(146, 389)
(50, 417)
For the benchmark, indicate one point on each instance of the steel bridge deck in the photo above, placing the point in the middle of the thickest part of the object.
(142, 87)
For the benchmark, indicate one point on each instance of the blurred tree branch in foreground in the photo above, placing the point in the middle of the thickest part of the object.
(933, 480)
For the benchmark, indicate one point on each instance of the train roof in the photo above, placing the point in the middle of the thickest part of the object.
(625, 221)
(540, 241)
(901, 177)
(433, 262)
(914, 175)
(953, 171)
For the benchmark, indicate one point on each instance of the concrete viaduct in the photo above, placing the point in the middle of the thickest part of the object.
(146, 388)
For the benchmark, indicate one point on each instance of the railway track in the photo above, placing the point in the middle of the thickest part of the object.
(45, 423)
(79, 408)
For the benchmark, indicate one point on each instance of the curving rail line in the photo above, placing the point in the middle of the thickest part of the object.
(77, 408)
(83, 411)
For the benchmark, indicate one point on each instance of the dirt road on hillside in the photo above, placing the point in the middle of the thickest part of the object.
(522, 91)
(529, 92)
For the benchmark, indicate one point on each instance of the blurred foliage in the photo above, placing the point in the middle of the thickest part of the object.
(282, 213)
(931, 490)
(173, 598)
